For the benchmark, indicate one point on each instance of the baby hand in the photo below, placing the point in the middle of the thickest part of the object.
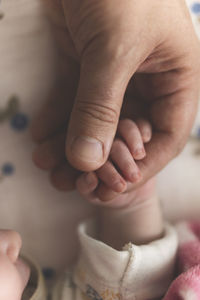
(128, 214)
(115, 177)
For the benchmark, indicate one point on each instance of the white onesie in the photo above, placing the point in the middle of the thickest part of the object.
(47, 219)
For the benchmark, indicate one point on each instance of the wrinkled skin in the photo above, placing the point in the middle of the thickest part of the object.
(147, 49)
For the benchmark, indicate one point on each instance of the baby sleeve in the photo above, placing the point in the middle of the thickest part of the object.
(35, 289)
(103, 273)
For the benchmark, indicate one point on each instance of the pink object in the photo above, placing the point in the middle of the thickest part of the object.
(187, 285)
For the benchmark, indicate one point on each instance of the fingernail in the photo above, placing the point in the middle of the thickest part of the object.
(89, 179)
(95, 201)
(146, 136)
(87, 149)
(139, 153)
(119, 187)
(136, 176)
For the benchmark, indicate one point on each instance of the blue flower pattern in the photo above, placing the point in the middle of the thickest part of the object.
(19, 121)
(7, 169)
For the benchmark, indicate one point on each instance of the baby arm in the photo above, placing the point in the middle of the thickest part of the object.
(131, 214)
(139, 223)
(140, 260)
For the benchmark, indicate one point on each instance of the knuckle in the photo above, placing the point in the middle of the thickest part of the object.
(98, 112)
(129, 124)
(57, 182)
(128, 166)
(41, 160)
(61, 181)
(115, 176)
(110, 174)
(105, 196)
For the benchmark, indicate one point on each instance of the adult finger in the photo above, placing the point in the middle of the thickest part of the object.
(97, 107)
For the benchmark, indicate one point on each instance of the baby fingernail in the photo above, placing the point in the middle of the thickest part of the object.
(146, 137)
(89, 179)
(119, 186)
(139, 153)
(136, 176)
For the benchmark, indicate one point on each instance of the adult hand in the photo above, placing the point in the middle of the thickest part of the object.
(148, 48)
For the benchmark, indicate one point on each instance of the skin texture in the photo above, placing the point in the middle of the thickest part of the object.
(140, 221)
(143, 52)
(120, 171)
(134, 214)
(14, 273)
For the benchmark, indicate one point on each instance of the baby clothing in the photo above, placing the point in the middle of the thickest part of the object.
(103, 273)
(47, 219)
(143, 272)
(136, 272)
(36, 288)
(29, 204)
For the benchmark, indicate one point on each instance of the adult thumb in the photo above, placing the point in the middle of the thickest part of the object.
(95, 114)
